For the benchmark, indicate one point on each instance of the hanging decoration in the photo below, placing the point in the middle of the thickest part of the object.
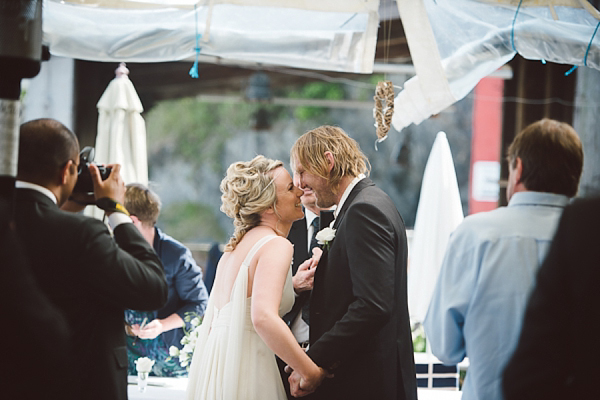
(384, 109)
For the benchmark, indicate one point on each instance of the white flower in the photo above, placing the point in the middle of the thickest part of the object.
(325, 236)
(173, 351)
(183, 357)
(188, 340)
(187, 349)
(144, 364)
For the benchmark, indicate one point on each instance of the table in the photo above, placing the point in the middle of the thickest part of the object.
(174, 389)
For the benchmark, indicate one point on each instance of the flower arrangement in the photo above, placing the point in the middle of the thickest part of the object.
(325, 236)
(188, 340)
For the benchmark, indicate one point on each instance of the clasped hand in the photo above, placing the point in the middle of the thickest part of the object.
(149, 331)
(301, 386)
(304, 278)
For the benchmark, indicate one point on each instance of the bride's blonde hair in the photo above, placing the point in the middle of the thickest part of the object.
(248, 190)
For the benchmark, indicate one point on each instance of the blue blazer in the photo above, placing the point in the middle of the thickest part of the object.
(184, 279)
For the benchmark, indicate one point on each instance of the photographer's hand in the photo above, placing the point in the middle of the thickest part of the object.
(77, 202)
(113, 187)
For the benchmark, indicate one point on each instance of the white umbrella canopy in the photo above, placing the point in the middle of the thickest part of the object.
(121, 136)
(438, 214)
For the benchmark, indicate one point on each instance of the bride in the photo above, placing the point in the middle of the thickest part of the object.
(242, 327)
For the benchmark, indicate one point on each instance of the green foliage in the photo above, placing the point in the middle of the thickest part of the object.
(316, 90)
(196, 132)
(191, 221)
(418, 338)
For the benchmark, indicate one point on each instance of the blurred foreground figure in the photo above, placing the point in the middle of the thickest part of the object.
(36, 358)
(558, 351)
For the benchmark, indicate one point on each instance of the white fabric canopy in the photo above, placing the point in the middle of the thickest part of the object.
(438, 214)
(474, 38)
(338, 35)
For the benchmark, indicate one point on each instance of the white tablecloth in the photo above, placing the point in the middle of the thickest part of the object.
(174, 389)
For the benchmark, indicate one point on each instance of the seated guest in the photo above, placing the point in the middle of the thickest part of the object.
(187, 293)
(491, 260)
(558, 350)
(90, 276)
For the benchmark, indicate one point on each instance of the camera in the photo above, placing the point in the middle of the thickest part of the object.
(84, 178)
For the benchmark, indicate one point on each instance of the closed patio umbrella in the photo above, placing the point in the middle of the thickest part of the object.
(438, 214)
(121, 136)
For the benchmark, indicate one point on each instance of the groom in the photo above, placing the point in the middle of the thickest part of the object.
(359, 324)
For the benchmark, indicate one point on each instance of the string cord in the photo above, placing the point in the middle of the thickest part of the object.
(194, 70)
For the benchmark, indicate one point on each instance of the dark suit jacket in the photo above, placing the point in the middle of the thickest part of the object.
(91, 278)
(34, 334)
(360, 326)
(297, 236)
(558, 350)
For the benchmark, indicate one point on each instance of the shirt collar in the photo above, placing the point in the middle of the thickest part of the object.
(33, 186)
(310, 216)
(347, 193)
(538, 199)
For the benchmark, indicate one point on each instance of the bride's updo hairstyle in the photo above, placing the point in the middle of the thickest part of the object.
(248, 190)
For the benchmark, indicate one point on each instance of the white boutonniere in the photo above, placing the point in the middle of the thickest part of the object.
(325, 236)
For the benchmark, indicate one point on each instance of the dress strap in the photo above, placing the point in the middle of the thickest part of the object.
(257, 247)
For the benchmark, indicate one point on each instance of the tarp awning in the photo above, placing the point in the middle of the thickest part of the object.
(336, 35)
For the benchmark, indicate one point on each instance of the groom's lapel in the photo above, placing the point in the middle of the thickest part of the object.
(363, 183)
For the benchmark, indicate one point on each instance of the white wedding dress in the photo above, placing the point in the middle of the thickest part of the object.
(230, 360)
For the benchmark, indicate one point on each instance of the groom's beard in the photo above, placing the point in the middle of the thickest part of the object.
(325, 197)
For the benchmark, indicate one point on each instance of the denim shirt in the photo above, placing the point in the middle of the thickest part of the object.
(485, 280)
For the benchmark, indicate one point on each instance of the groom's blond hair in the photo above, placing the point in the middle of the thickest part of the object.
(311, 147)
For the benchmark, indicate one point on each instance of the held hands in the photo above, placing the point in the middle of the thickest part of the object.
(304, 278)
(113, 187)
(149, 331)
(301, 386)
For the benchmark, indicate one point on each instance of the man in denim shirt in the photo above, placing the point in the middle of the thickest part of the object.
(490, 264)
(187, 293)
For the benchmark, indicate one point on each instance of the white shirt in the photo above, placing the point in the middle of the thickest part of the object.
(346, 194)
(114, 220)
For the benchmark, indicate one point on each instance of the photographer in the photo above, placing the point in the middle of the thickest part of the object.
(88, 275)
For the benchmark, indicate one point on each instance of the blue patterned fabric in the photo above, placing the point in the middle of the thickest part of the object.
(155, 349)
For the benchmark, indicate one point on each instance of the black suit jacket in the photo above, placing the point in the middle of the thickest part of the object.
(360, 326)
(91, 278)
(34, 332)
(558, 350)
(298, 237)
